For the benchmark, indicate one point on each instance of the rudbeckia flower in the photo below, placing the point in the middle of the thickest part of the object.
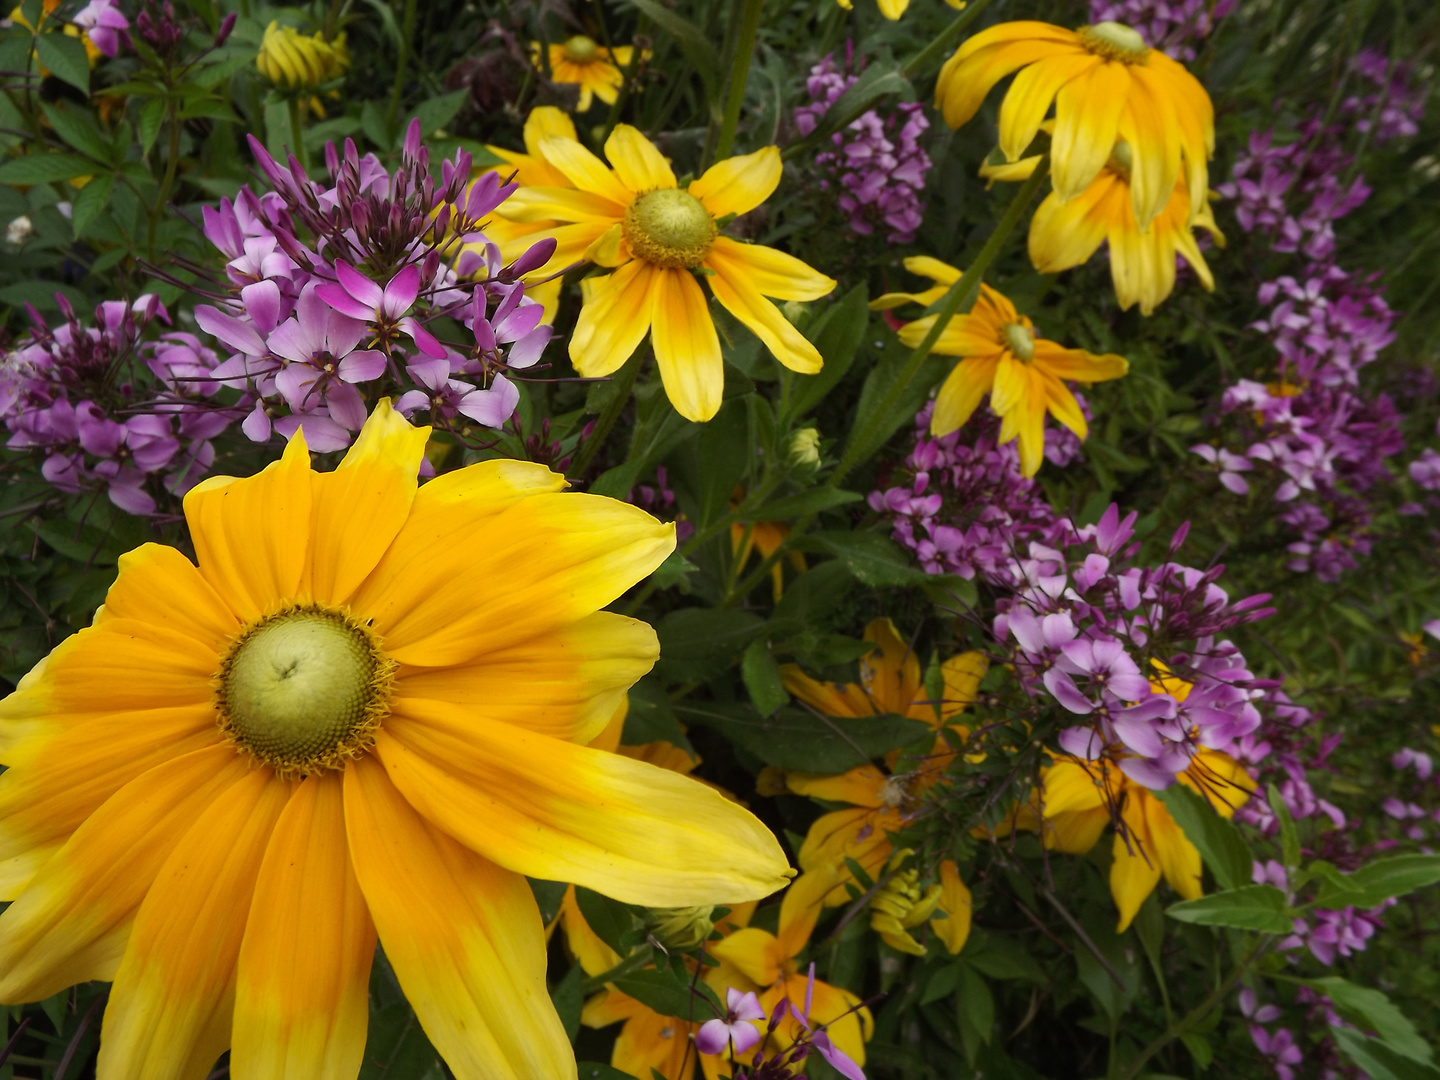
(1106, 84)
(595, 68)
(634, 216)
(1004, 357)
(1064, 235)
(342, 726)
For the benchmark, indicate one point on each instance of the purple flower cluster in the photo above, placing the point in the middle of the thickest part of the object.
(1172, 26)
(70, 393)
(1397, 106)
(1416, 820)
(877, 167)
(964, 507)
(1135, 650)
(330, 288)
(1327, 934)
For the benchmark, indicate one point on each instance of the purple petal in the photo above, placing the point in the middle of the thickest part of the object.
(422, 337)
(346, 405)
(343, 302)
(230, 331)
(1066, 692)
(362, 366)
(1130, 687)
(399, 296)
(838, 1059)
(1081, 742)
(359, 287)
(1147, 773)
(714, 1036)
(262, 304)
(494, 406)
(1137, 736)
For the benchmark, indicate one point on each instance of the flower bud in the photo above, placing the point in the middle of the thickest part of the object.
(680, 928)
(804, 448)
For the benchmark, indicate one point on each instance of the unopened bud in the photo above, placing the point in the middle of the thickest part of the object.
(227, 24)
(680, 928)
(804, 448)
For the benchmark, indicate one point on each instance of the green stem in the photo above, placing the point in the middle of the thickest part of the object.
(620, 395)
(631, 963)
(739, 74)
(172, 162)
(297, 133)
(922, 60)
(961, 294)
(407, 36)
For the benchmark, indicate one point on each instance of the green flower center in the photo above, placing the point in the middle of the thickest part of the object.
(1114, 41)
(304, 690)
(581, 49)
(1122, 158)
(1020, 341)
(670, 228)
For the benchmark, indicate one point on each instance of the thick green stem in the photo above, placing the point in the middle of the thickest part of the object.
(297, 133)
(621, 387)
(922, 60)
(407, 38)
(749, 15)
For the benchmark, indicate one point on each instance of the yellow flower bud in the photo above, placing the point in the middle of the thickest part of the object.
(805, 448)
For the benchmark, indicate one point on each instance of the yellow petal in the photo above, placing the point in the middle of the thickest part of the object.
(547, 120)
(962, 392)
(651, 1041)
(360, 506)
(589, 951)
(1179, 859)
(1149, 124)
(985, 59)
(615, 319)
(687, 348)
(1135, 871)
(738, 185)
(864, 786)
(567, 684)
(1075, 833)
(464, 937)
(732, 287)
(833, 699)
(636, 162)
(955, 900)
(564, 555)
(1062, 405)
(170, 1008)
(774, 273)
(252, 536)
(1029, 98)
(970, 335)
(586, 171)
(610, 249)
(1065, 234)
(1087, 118)
(562, 812)
(801, 906)
(962, 676)
(302, 990)
(608, 1007)
(571, 243)
(160, 586)
(559, 204)
(1078, 364)
(1012, 385)
(891, 671)
(71, 923)
(755, 953)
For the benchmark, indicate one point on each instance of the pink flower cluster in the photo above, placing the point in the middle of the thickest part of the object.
(877, 167)
(1134, 650)
(1397, 106)
(71, 394)
(964, 507)
(1172, 26)
(1416, 820)
(330, 290)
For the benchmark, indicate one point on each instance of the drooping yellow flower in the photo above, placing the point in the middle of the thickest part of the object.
(338, 727)
(901, 904)
(1106, 84)
(635, 217)
(648, 1040)
(1142, 262)
(293, 61)
(1076, 798)
(893, 9)
(583, 61)
(1004, 357)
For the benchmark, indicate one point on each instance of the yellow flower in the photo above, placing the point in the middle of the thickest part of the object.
(747, 537)
(1004, 357)
(1142, 262)
(893, 9)
(635, 217)
(648, 1040)
(1077, 797)
(900, 905)
(340, 727)
(1106, 85)
(595, 68)
(293, 61)
(766, 963)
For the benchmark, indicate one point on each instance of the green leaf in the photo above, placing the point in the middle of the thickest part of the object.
(762, 677)
(880, 382)
(793, 739)
(44, 168)
(1380, 1061)
(549, 895)
(1289, 836)
(1372, 885)
(697, 46)
(974, 1010)
(664, 993)
(208, 109)
(724, 454)
(697, 643)
(1200, 1049)
(872, 558)
(395, 1046)
(212, 75)
(439, 111)
(90, 201)
(651, 718)
(591, 1070)
(806, 502)
(610, 919)
(568, 1000)
(1002, 957)
(153, 115)
(277, 128)
(1373, 1011)
(812, 598)
(66, 59)
(836, 334)
(1253, 907)
(942, 984)
(1221, 845)
(78, 131)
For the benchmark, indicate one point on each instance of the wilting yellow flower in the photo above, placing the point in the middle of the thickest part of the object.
(635, 217)
(1106, 85)
(1004, 357)
(648, 1040)
(340, 726)
(766, 964)
(1142, 262)
(595, 68)
(1076, 798)
(900, 905)
(293, 61)
(893, 9)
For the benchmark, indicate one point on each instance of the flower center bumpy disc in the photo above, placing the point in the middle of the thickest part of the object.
(580, 49)
(1020, 341)
(304, 690)
(1114, 41)
(670, 228)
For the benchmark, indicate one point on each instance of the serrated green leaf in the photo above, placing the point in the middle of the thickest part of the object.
(44, 168)
(651, 718)
(1219, 841)
(1373, 884)
(435, 113)
(65, 57)
(1253, 907)
(666, 994)
(1380, 1061)
(78, 131)
(836, 334)
(1373, 1011)
(697, 643)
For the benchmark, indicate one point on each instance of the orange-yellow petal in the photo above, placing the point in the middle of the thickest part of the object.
(961, 393)
(774, 273)
(732, 286)
(615, 318)
(636, 162)
(956, 902)
(738, 185)
(1087, 117)
(586, 171)
(687, 348)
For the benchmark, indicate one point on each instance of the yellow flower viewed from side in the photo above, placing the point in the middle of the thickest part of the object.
(1064, 235)
(588, 64)
(1106, 84)
(893, 9)
(659, 236)
(341, 727)
(293, 61)
(1005, 358)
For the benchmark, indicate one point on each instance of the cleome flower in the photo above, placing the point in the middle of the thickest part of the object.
(635, 217)
(584, 62)
(1106, 84)
(1004, 357)
(337, 728)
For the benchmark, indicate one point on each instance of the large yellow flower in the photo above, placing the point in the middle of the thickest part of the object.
(1106, 85)
(636, 217)
(1004, 357)
(343, 725)
(1064, 235)
(596, 69)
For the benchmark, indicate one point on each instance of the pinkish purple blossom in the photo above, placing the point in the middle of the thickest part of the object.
(1279, 1047)
(1397, 106)
(104, 24)
(734, 1028)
